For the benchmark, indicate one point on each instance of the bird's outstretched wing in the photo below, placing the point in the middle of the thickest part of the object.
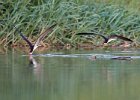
(28, 42)
(105, 38)
(42, 36)
(121, 37)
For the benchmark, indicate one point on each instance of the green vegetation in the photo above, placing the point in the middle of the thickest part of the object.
(72, 16)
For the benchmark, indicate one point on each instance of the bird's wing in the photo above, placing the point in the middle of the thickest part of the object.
(105, 38)
(42, 36)
(28, 42)
(121, 37)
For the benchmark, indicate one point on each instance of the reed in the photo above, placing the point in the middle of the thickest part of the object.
(33, 17)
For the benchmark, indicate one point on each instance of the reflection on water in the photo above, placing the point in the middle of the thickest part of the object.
(33, 62)
(68, 78)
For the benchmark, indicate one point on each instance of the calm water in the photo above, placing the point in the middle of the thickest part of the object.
(70, 75)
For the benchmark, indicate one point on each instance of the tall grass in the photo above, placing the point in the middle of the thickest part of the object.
(32, 17)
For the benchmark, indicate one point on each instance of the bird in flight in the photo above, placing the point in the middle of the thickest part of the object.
(39, 39)
(109, 38)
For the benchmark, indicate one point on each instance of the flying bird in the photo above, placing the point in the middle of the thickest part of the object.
(40, 38)
(109, 38)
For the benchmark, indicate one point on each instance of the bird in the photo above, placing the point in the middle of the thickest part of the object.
(109, 38)
(39, 39)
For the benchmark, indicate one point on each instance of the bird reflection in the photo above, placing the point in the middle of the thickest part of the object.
(33, 62)
(37, 68)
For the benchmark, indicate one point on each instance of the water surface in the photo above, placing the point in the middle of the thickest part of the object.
(70, 75)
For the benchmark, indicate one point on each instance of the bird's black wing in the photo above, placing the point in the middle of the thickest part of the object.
(121, 37)
(42, 36)
(28, 42)
(105, 38)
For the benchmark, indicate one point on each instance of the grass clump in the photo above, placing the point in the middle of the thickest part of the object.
(72, 17)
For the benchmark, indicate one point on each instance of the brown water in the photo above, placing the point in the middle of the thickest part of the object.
(70, 75)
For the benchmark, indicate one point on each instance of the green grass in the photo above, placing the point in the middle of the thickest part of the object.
(71, 16)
